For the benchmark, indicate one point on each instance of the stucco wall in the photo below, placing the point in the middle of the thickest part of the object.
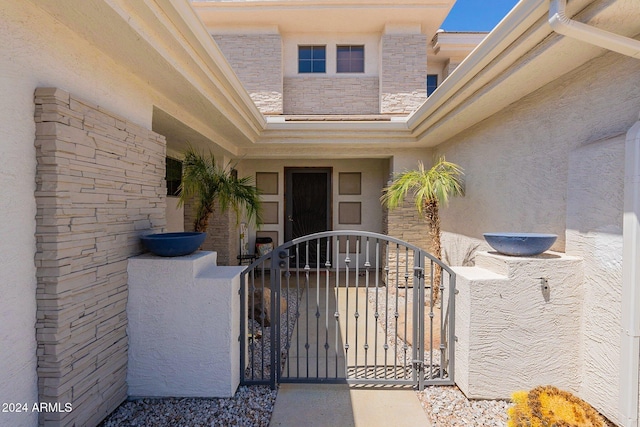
(523, 170)
(374, 174)
(32, 54)
(519, 157)
(18, 380)
(184, 327)
(507, 324)
(175, 215)
(594, 232)
(38, 51)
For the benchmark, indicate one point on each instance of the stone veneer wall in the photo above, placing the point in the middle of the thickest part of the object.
(257, 60)
(406, 224)
(99, 185)
(449, 68)
(331, 95)
(223, 236)
(403, 73)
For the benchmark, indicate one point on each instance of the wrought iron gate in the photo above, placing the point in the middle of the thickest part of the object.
(379, 311)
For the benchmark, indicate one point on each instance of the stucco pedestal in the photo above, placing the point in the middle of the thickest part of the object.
(513, 332)
(184, 324)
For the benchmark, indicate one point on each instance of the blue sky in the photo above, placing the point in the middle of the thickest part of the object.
(477, 15)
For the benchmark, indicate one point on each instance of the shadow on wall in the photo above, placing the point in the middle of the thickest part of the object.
(460, 251)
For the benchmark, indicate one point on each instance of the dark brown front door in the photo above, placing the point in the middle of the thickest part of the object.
(308, 201)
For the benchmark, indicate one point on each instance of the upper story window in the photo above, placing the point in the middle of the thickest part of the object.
(350, 59)
(432, 83)
(312, 59)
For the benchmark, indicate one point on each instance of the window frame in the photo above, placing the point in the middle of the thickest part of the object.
(430, 87)
(312, 61)
(350, 60)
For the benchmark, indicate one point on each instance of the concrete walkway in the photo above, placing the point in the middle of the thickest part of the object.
(328, 405)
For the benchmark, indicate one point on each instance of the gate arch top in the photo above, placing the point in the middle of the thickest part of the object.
(364, 234)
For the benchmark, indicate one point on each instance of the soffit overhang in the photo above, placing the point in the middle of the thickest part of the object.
(455, 45)
(332, 139)
(521, 55)
(165, 44)
(324, 16)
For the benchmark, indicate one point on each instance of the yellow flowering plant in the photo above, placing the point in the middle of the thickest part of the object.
(547, 406)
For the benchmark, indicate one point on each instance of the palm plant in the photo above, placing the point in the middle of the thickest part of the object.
(429, 189)
(207, 182)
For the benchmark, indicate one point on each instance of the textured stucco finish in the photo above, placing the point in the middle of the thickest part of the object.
(175, 215)
(38, 50)
(18, 380)
(595, 234)
(508, 326)
(560, 165)
(184, 324)
(374, 175)
(519, 157)
(31, 56)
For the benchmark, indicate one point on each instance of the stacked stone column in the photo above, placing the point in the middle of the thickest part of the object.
(403, 72)
(99, 185)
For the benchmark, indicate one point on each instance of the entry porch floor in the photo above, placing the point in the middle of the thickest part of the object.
(341, 404)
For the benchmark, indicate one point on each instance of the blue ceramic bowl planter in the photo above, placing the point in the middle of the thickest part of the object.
(173, 244)
(520, 244)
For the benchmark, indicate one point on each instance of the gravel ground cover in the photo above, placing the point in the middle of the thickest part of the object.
(251, 406)
(260, 348)
(445, 406)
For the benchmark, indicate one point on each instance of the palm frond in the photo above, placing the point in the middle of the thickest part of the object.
(429, 189)
(205, 181)
(439, 183)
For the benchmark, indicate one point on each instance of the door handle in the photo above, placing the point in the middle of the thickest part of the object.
(290, 218)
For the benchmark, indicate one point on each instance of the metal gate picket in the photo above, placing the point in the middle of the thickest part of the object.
(350, 319)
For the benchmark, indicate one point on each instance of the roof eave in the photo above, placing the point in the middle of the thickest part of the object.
(519, 56)
(164, 41)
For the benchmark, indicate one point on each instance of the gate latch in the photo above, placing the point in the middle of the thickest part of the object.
(418, 365)
(418, 272)
(284, 254)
